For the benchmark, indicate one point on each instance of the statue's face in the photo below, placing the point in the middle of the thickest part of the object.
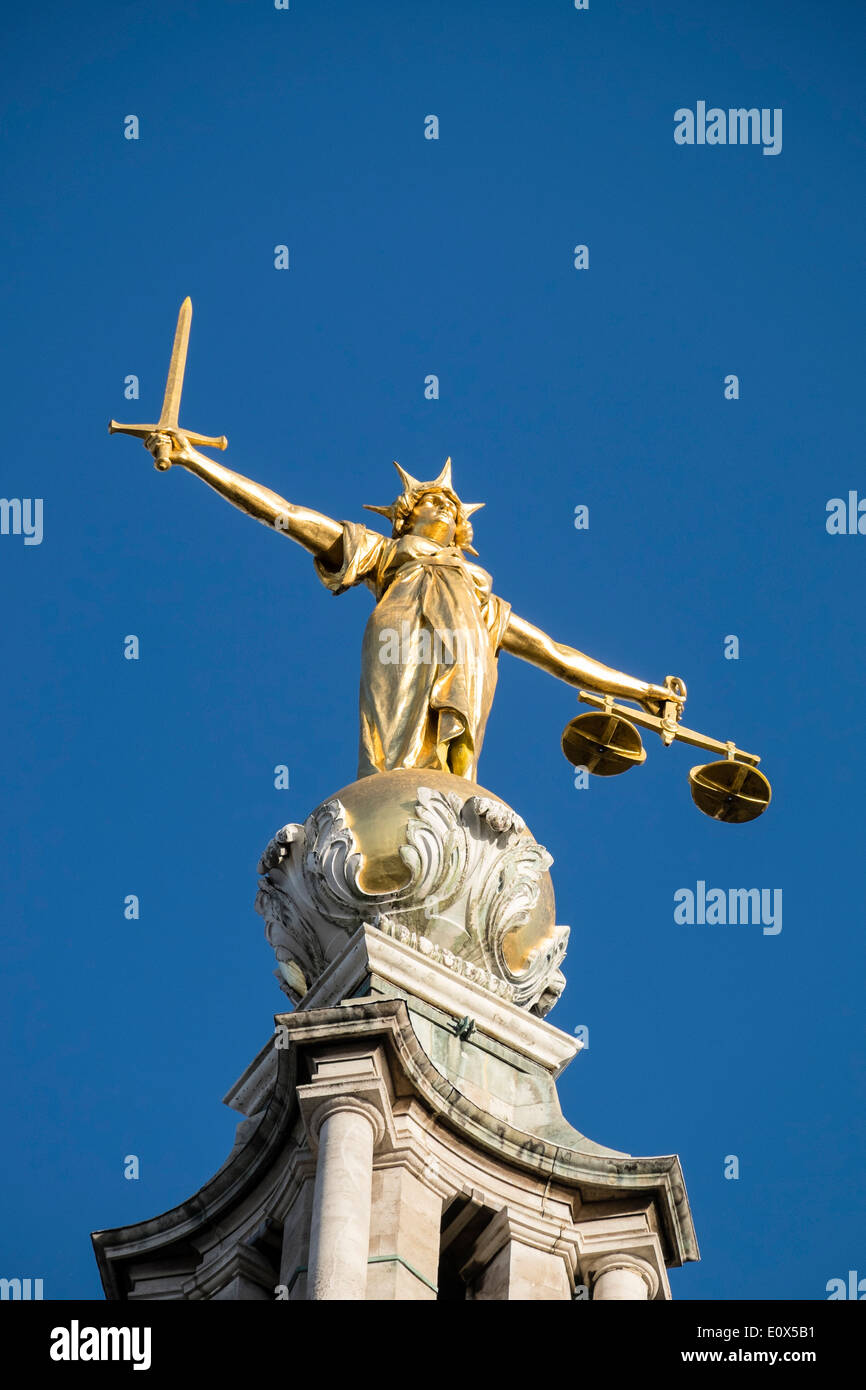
(434, 516)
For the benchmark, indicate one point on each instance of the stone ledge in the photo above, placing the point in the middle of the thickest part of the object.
(371, 952)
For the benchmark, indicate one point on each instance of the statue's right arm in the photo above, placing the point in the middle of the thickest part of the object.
(317, 533)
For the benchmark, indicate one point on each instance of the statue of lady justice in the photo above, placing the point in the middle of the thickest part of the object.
(415, 846)
(430, 650)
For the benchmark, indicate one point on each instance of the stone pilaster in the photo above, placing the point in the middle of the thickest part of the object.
(404, 1240)
(519, 1260)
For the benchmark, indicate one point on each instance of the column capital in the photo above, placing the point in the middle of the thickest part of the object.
(240, 1265)
(628, 1263)
(628, 1237)
(533, 1231)
(354, 1079)
(520, 1256)
(315, 1115)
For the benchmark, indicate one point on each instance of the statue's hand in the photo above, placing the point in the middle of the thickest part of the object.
(657, 697)
(168, 449)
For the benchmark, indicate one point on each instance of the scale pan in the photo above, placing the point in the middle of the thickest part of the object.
(730, 791)
(605, 744)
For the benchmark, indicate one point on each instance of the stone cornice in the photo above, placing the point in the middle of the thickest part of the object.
(658, 1176)
(245, 1167)
(437, 977)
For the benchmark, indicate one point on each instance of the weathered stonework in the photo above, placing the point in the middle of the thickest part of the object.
(442, 1152)
(402, 1137)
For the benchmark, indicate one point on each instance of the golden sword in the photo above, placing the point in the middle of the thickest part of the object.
(171, 401)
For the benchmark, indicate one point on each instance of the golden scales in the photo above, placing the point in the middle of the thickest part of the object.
(606, 742)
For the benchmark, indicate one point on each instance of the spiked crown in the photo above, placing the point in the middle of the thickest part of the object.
(401, 509)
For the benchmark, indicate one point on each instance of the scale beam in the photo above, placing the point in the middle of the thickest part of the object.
(651, 721)
(606, 743)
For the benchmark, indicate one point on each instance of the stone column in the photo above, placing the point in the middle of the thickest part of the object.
(347, 1131)
(623, 1277)
(346, 1109)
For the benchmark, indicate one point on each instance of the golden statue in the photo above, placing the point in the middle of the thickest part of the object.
(429, 657)
(431, 647)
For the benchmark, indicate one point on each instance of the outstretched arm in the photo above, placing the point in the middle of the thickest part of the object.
(319, 534)
(533, 645)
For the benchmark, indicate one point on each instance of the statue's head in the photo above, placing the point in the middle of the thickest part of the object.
(431, 509)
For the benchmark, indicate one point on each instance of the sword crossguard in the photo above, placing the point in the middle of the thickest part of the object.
(162, 458)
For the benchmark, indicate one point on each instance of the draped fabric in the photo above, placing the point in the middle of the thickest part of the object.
(429, 656)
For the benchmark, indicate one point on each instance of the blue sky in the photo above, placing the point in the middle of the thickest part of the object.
(558, 387)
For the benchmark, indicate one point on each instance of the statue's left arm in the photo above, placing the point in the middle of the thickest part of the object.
(531, 644)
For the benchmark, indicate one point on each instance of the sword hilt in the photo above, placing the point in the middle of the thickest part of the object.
(162, 456)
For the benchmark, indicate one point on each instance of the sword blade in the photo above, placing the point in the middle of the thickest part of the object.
(176, 368)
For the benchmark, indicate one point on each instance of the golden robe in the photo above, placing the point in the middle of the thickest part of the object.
(429, 656)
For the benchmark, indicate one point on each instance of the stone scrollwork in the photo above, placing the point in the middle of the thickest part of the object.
(475, 875)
